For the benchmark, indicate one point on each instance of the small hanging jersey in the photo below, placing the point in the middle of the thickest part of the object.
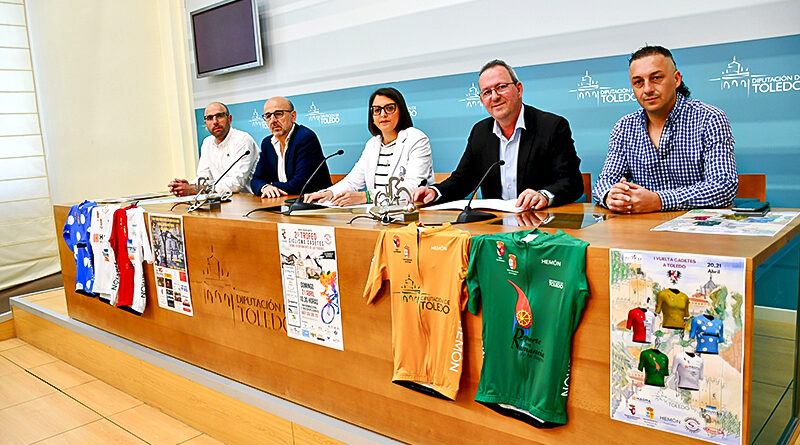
(687, 370)
(76, 235)
(426, 271)
(655, 365)
(531, 289)
(106, 277)
(138, 250)
(674, 305)
(119, 244)
(641, 321)
(709, 334)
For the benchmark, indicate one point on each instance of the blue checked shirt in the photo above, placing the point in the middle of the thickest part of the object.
(694, 166)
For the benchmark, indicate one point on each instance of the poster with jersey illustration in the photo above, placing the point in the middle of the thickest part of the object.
(684, 374)
(169, 267)
(310, 277)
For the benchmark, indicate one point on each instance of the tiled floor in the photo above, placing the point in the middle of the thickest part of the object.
(44, 400)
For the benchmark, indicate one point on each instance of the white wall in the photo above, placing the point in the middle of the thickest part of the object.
(114, 95)
(317, 45)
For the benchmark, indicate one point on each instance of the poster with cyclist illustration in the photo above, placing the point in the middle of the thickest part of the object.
(310, 277)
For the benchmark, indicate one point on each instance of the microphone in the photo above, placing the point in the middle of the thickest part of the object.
(298, 203)
(229, 169)
(469, 215)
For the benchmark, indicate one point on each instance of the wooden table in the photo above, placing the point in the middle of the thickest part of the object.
(238, 326)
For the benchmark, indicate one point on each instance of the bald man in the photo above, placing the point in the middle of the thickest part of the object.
(288, 156)
(219, 151)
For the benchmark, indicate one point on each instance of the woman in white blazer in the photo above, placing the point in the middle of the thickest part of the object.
(396, 149)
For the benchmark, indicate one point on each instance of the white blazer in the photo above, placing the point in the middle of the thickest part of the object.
(411, 159)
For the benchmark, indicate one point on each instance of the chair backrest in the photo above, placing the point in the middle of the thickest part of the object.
(587, 183)
(440, 177)
(587, 186)
(752, 186)
(336, 178)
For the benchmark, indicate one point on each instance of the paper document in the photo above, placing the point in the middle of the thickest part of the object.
(129, 198)
(499, 205)
(330, 208)
(726, 222)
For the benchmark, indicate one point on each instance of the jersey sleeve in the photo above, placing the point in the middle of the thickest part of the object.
(686, 308)
(473, 283)
(659, 300)
(147, 249)
(462, 273)
(693, 329)
(641, 361)
(378, 270)
(630, 319)
(69, 227)
(676, 376)
(721, 332)
(583, 285)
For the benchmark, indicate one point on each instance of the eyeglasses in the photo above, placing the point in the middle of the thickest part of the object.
(277, 113)
(389, 108)
(500, 88)
(220, 115)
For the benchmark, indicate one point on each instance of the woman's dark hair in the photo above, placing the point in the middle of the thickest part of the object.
(402, 108)
(655, 50)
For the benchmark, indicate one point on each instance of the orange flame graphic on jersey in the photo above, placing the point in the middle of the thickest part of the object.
(524, 316)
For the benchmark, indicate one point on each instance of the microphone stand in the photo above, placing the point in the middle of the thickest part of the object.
(469, 214)
(298, 203)
(213, 203)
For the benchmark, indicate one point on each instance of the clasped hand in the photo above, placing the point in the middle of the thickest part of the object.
(629, 197)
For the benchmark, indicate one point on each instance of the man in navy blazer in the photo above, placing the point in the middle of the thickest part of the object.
(288, 156)
(542, 168)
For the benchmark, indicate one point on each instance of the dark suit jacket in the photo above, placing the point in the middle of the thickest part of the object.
(303, 155)
(546, 160)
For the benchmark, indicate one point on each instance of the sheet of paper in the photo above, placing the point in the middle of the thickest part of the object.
(725, 222)
(499, 205)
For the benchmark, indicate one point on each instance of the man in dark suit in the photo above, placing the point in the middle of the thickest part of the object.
(288, 156)
(541, 166)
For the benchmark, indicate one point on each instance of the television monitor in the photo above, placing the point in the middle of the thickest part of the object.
(226, 37)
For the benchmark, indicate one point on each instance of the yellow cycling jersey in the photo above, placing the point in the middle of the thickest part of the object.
(426, 268)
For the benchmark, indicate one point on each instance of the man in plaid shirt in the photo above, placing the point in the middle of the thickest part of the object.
(674, 153)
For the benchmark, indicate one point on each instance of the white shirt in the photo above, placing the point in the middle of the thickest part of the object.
(138, 250)
(411, 160)
(509, 150)
(687, 371)
(106, 276)
(276, 144)
(383, 169)
(216, 158)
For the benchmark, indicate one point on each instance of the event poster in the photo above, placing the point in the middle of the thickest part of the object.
(311, 284)
(677, 343)
(727, 222)
(169, 268)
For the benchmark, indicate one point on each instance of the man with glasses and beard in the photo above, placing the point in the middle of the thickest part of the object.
(219, 151)
(541, 166)
(288, 156)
